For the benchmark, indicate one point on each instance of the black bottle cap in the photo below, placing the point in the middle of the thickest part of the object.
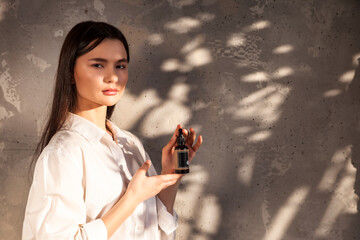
(180, 139)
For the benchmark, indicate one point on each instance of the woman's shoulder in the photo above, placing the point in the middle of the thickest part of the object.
(62, 158)
(67, 139)
(64, 145)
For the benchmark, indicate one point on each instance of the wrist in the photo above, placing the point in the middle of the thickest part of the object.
(130, 196)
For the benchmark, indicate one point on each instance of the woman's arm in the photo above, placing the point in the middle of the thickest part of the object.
(140, 188)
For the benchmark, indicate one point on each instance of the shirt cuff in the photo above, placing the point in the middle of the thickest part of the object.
(167, 222)
(95, 230)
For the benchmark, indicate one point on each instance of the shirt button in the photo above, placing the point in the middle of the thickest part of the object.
(139, 228)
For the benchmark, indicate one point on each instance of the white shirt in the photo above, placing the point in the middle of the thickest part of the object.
(79, 176)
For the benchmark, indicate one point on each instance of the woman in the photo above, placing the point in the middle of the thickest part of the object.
(91, 179)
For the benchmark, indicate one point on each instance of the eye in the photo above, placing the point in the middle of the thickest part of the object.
(120, 66)
(97, 65)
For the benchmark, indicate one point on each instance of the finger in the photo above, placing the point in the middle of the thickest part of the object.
(192, 137)
(145, 167)
(186, 133)
(198, 143)
(172, 141)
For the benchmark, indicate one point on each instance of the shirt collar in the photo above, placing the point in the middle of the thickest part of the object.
(119, 135)
(86, 128)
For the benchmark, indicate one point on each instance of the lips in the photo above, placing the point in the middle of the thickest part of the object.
(110, 91)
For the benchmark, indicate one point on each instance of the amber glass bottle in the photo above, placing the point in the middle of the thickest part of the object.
(181, 155)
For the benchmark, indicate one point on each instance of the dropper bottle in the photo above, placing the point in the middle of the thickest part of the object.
(181, 155)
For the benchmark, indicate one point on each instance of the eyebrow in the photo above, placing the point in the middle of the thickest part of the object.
(104, 60)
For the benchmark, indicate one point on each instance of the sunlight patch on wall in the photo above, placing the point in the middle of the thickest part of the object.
(286, 214)
(59, 33)
(255, 77)
(356, 59)
(155, 39)
(210, 215)
(170, 65)
(332, 93)
(242, 130)
(4, 7)
(155, 125)
(282, 72)
(246, 169)
(183, 25)
(205, 17)
(199, 105)
(179, 92)
(264, 77)
(260, 25)
(189, 196)
(347, 77)
(338, 204)
(286, 48)
(259, 95)
(139, 105)
(99, 6)
(181, 3)
(330, 176)
(8, 86)
(264, 105)
(259, 136)
(5, 114)
(196, 58)
(236, 40)
(38, 62)
(193, 44)
(199, 57)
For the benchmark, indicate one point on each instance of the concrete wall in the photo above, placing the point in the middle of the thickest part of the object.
(273, 86)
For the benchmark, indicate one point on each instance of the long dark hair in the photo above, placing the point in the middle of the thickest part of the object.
(81, 39)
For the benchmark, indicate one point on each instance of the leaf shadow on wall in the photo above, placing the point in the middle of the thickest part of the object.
(260, 178)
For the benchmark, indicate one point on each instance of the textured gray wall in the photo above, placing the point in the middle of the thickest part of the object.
(273, 86)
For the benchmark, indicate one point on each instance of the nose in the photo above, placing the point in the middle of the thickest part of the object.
(111, 76)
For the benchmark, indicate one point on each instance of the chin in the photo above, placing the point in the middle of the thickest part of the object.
(110, 101)
(110, 104)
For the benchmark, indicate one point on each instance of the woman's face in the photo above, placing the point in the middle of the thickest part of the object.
(101, 75)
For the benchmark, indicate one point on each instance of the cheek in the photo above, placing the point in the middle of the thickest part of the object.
(85, 79)
(122, 79)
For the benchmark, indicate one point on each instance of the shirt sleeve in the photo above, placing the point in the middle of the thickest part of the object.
(56, 207)
(168, 223)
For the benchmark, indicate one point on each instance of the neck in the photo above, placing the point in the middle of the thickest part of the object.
(95, 115)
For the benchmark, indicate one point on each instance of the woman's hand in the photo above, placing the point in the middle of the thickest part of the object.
(167, 161)
(142, 187)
